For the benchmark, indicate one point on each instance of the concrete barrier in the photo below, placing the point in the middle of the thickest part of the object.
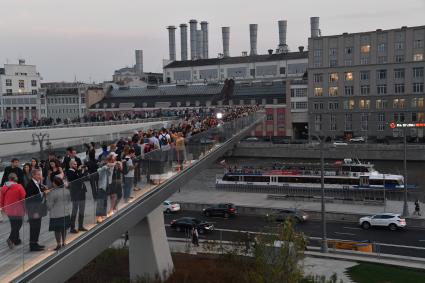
(362, 151)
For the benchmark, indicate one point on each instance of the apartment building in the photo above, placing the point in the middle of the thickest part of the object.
(361, 82)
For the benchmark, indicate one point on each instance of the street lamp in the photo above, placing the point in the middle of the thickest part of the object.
(405, 206)
(324, 246)
(40, 138)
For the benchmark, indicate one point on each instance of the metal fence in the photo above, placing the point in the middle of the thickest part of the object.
(373, 196)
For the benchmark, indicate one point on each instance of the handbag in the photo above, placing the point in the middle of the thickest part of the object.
(43, 207)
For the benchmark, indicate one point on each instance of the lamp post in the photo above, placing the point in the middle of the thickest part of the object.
(40, 138)
(405, 206)
(324, 246)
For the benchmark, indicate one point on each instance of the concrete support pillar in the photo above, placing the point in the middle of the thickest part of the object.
(149, 253)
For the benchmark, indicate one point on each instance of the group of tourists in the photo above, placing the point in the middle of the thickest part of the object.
(57, 187)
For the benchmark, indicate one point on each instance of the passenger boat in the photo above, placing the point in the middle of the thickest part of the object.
(345, 174)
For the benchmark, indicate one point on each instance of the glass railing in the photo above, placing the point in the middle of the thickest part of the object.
(95, 197)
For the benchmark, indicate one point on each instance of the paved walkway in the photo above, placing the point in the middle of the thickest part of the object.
(202, 190)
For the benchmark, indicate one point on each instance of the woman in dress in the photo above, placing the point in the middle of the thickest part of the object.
(58, 202)
(115, 188)
(55, 170)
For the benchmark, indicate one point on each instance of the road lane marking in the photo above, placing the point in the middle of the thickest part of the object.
(352, 228)
(349, 234)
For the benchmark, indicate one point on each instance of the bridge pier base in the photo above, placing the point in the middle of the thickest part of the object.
(149, 252)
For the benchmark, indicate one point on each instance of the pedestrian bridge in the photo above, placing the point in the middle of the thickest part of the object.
(20, 141)
(164, 172)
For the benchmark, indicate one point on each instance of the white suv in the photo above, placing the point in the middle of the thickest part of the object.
(390, 220)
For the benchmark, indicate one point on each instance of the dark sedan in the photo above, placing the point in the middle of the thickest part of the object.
(222, 209)
(187, 223)
(298, 216)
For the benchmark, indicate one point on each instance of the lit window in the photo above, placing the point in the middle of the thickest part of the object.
(364, 104)
(365, 49)
(351, 104)
(318, 91)
(349, 76)
(333, 91)
(418, 57)
(333, 77)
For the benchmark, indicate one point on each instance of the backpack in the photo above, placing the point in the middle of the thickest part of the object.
(163, 140)
(125, 166)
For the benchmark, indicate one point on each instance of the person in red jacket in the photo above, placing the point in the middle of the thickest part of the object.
(12, 203)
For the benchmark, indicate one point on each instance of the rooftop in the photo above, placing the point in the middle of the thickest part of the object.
(239, 59)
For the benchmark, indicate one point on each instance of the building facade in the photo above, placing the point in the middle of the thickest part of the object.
(278, 65)
(358, 83)
(70, 100)
(20, 96)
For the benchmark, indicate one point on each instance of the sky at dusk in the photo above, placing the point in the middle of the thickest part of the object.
(89, 39)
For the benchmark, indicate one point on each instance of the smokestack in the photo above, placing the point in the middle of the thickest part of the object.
(204, 28)
(226, 40)
(253, 38)
(282, 32)
(172, 42)
(193, 27)
(199, 44)
(183, 41)
(138, 68)
(315, 30)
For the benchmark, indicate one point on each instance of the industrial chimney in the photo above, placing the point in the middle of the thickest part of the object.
(204, 28)
(315, 30)
(226, 41)
(183, 42)
(193, 27)
(172, 42)
(253, 38)
(282, 32)
(199, 44)
(138, 68)
(282, 47)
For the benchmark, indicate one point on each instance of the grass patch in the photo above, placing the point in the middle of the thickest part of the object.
(378, 273)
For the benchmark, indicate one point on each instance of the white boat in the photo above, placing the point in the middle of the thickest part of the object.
(346, 174)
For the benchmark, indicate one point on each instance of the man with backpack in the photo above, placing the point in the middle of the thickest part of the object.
(128, 172)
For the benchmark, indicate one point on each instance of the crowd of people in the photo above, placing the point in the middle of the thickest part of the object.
(58, 187)
(103, 117)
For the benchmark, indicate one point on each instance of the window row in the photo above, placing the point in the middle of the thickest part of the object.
(62, 100)
(21, 83)
(381, 74)
(365, 89)
(350, 104)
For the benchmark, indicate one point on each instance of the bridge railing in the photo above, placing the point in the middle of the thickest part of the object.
(91, 199)
(91, 124)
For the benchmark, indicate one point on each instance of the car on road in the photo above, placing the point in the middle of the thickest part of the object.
(298, 216)
(222, 209)
(391, 220)
(171, 206)
(340, 143)
(187, 223)
(252, 139)
(358, 140)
